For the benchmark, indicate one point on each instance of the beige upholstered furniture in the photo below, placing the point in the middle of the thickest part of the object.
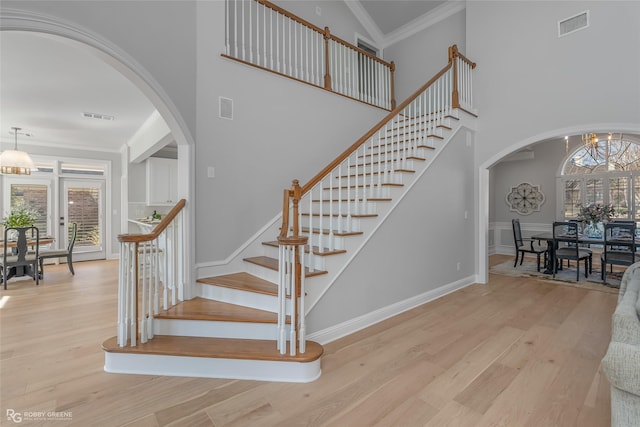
(621, 364)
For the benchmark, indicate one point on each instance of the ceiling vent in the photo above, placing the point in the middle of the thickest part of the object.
(573, 24)
(99, 116)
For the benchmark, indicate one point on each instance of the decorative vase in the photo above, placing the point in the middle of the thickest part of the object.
(594, 229)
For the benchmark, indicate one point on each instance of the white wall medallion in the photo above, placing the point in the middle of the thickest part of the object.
(525, 198)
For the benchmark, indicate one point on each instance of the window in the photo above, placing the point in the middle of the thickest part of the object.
(35, 196)
(607, 172)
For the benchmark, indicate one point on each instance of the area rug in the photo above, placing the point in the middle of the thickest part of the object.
(564, 277)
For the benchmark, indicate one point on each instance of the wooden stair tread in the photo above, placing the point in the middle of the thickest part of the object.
(223, 348)
(316, 249)
(359, 199)
(211, 310)
(343, 215)
(272, 264)
(335, 233)
(242, 281)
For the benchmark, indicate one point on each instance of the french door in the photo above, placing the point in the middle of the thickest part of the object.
(83, 203)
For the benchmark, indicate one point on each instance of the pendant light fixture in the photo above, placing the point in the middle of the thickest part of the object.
(15, 162)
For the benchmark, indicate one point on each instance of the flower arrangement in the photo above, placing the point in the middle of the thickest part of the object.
(21, 216)
(596, 212)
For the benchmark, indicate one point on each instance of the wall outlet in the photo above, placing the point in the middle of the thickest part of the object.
(318, 11)
(211, 172)
(458, 266)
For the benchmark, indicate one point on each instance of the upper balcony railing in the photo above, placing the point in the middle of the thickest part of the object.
(264, 35)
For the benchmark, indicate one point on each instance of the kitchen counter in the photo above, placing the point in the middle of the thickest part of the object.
(144, 224)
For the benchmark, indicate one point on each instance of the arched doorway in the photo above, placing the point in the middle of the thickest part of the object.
(486, 192)
(114, 57)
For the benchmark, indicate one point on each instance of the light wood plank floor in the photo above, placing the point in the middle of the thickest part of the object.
(516, 352)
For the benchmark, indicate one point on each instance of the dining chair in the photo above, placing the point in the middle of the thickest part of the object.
(565, 240)
(18, 260)
(522, 248)
(61, 253)
(619, 246)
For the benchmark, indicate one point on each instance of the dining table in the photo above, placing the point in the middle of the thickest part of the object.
(23, 270)
(582, 239)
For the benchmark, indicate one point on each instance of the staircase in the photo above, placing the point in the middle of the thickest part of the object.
(229, 330)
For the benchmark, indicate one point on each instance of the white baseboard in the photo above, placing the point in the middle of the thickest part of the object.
(354, 325)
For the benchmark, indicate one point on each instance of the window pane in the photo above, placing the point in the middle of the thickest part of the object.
(594, 191)
(34, 196)
(84, 209)
(571, 197)
(619, 196)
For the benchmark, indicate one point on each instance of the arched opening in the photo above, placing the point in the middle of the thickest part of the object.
(114, 57)
(494, 232)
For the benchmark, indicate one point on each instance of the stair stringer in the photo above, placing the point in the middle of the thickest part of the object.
(317, 286)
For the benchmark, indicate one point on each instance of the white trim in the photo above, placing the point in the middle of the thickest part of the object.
(204, 367)
(354, 325)
(365, 20)
(436, 15)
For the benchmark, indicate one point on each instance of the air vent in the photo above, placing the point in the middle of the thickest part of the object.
(573, 24)
(99, 116)
(226, 108)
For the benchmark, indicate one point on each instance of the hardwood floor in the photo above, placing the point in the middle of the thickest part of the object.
(516, 352)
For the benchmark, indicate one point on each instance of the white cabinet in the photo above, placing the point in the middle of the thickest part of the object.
(162, 186)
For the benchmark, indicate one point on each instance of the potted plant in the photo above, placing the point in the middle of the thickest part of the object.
(21, 216)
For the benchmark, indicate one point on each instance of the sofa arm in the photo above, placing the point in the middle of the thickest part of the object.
(621, 365)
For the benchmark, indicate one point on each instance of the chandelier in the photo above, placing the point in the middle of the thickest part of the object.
(590, 140)
(15, 162)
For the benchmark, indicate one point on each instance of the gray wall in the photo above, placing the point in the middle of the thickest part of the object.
(529, 82)
(421, 56)
(426, 236)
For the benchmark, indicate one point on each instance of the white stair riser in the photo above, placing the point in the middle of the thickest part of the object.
(352, 207)
(216, 329)
(204, 367)
(401, 152)
(341, 224)
(350, 194)
(240, 297)
(318, 261)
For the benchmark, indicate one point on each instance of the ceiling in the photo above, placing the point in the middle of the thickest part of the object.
(47, 83)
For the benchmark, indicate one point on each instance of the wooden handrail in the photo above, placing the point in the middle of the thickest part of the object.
(359, 50)
(331, 166)
(158, 229)
(290, 15)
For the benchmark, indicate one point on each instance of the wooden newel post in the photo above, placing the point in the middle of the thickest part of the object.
(296, 193)
(453, 59)
(393, 85)
(327, 74)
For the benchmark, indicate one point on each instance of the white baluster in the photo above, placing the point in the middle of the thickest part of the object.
(331, 245)
(301, 308)
(320, 225)
(292, 292)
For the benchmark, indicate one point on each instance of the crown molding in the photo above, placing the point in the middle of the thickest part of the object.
(438, 14)
(366, 21)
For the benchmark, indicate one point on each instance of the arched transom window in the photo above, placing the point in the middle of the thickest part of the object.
(606, 171)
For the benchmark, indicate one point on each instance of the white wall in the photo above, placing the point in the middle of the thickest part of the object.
(530, 82)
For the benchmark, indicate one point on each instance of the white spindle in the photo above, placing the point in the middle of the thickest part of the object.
(301, 310)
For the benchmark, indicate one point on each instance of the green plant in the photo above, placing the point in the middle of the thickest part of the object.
(21, 216)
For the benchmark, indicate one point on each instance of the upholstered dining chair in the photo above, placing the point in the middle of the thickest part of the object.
(565, 240)
(61, 253)
(530, 246)
(19, 257)
(619, 246)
